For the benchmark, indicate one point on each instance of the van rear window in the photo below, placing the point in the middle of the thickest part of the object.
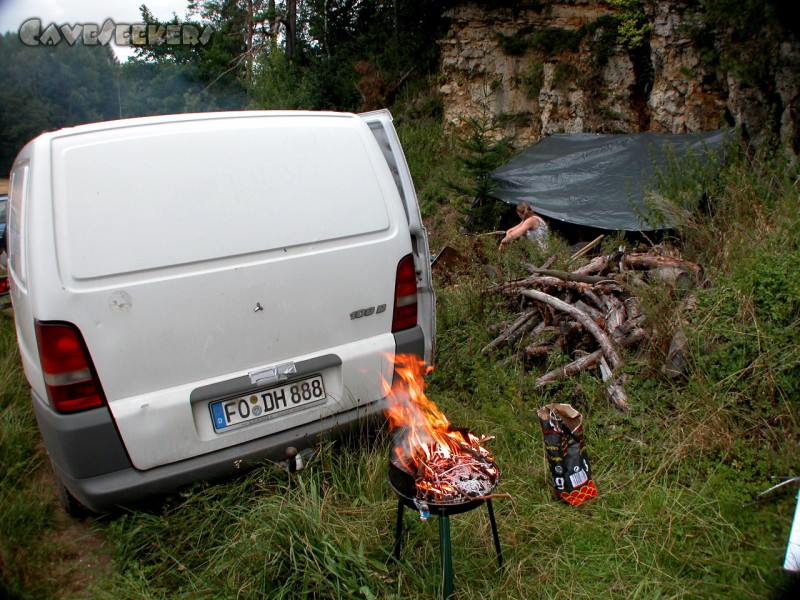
(147, 197)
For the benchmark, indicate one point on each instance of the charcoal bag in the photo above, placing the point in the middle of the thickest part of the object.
(565, 449)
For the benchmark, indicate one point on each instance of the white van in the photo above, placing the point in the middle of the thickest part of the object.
(195, 293)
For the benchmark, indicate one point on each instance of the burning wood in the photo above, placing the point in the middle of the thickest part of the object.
(455, 478)
(448, 465)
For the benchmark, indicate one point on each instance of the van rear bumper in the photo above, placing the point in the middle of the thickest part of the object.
(88, 455)
(126, 485)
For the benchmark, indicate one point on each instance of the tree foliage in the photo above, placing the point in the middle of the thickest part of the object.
(481, 151)
(317, 54)
(47, 87)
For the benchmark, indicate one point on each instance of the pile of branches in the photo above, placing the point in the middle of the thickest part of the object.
(590, 313)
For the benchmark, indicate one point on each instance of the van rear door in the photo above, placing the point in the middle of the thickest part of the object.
(380, 123)
(203, 256)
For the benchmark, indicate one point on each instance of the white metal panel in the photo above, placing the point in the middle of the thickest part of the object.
(163, 426)
(182, 265)
(160, 196)
(215, 285)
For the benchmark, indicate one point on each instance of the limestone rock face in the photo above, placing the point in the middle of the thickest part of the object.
(556, 69)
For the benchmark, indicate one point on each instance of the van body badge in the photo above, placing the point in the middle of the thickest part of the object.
(367, 312)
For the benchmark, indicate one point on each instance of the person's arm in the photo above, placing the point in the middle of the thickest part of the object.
(518, 231)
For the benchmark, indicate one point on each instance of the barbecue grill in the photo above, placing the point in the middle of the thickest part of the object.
(403, 483)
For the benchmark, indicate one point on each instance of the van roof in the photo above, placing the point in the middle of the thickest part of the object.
(188, 117)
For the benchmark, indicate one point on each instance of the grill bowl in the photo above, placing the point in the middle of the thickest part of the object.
(403, 482)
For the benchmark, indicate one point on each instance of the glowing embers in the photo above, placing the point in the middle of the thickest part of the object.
(432, 460)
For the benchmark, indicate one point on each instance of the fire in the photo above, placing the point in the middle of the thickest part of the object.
(447, 462)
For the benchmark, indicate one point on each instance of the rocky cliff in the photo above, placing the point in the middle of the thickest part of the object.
(538, 68)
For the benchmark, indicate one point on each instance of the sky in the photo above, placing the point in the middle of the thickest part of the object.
(15, 12)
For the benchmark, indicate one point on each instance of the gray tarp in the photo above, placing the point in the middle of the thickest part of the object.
(599, 180)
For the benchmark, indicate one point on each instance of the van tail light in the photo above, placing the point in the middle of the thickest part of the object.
(3, 284)
(69, 375)
(405, 295)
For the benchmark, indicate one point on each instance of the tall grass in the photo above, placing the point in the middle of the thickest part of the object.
(678, 515)
(25, 507)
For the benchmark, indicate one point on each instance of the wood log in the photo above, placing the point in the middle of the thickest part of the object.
(633, 308)
(510, 288)
(591, 311)
(615, 313)
(526, 327)
(573, 368)
(569, 276)
(632, 338)
(496, 328)
(537, 350)
(588, 247)
(549, 262)
(556, 282)
(672, 276)
(521, 321)
(627, 327)
(644, 260)
(583, 318)
(569, 328)
(594, 266)
(614, 386)
(593, 298)
(677, 363)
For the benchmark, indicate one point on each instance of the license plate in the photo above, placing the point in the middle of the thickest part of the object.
(266, 404)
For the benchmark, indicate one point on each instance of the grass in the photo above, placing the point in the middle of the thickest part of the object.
(26, 508)
(678, 475)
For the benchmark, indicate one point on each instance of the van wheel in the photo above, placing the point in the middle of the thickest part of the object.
(71, 505)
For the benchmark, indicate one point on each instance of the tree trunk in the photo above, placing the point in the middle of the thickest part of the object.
(291, 28)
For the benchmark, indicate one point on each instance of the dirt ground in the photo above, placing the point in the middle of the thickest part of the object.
(3, 186)
(80, 553)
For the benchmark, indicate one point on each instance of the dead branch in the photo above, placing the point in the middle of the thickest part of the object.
(517, 329)
(587, 247)
(596, 265)
(633, 307)
(594, 298)
(615, 313)
(643, 260)
(583, 318)
(549, 262)
(567, 276)
(556, 282)
(632, 338)
(592, 312)
(573, 368)
(614, 388)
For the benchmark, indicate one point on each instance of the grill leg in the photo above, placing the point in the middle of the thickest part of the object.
(494, 533)
(398, 531)
(447, 555)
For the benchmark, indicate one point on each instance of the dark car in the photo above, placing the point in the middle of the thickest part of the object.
(3, 218)
(3, 275)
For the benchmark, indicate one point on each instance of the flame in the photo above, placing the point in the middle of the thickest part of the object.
(422, 430)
